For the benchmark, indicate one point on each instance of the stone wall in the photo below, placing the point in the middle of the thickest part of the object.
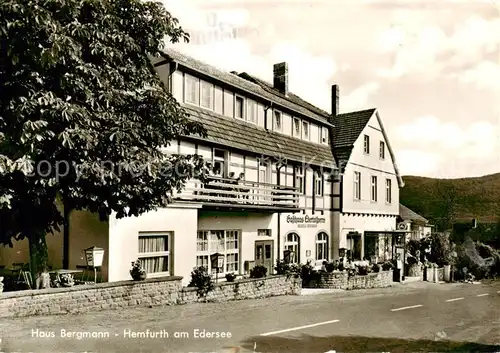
(415, 270)
(151, 292)
(341, 280)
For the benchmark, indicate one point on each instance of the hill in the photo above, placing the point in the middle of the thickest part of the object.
(445, 200)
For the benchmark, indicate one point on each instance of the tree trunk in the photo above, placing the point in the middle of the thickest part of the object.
(66, 214)
(39, 257)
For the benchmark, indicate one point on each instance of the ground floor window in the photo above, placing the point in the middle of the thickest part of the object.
(226, 242)
(292, 244)
(154, 252)
(322, 247)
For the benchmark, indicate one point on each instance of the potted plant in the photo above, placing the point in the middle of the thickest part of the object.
(67, 280)
(137, 272)
(230, 277)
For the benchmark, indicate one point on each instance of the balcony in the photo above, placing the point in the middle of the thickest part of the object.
(229, 193)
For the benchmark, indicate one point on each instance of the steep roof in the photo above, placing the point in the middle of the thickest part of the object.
(291, 97)
(408, 215)
(348, 127)
(248, 84)
(248, 137)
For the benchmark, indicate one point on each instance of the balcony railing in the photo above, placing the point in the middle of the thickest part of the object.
(232, 193)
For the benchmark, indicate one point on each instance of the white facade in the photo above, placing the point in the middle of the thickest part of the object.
(370, 190)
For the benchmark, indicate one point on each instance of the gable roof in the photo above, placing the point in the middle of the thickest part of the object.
(346, 131)
(349, 126)
(246, 84)
(408, 215)
(244, 136)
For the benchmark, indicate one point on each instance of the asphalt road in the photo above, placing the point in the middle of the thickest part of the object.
(408, 318)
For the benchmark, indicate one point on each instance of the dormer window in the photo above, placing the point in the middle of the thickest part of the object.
(277, 121)
(192, 90)
(324, 136)
(296, 127)
(239, 107)
(305, 130)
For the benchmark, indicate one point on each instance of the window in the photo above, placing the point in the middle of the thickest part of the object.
(367, 144)
(292, 244)
(207, 95)
(357, 185)
(218, 100)
(226, 242)
(154, 252)
(219, 163)
(318, 184)
(322, 247)
(299, 180)
(239, 108)
(277, 121)
(296, 127)
(251, 111)
(192, 93)
(264, 232)
(324, 135)
(305, 130)
(382, 150)
(388, 190)
(374, 188)
(228, 104)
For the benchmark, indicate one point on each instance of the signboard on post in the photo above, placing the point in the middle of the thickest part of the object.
(217, 261)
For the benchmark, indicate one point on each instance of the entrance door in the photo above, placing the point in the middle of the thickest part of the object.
(264, 254)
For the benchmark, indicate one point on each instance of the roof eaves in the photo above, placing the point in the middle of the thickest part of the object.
(259, 92)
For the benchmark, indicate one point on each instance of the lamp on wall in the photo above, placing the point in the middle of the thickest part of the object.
(94, 257)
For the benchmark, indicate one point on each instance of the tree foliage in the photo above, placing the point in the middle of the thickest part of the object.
(83, 114)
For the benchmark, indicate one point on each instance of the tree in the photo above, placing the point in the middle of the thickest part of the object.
(83, 115)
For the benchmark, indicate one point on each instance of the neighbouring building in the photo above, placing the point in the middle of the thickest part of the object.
(417, 226)
(367, 219)
(289, 180)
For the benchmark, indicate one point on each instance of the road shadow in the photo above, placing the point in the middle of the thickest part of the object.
(310, 344)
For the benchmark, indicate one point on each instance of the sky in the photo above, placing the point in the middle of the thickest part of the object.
(431, 68)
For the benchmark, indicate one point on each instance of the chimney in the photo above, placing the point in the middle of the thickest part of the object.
(280, 82)
(335, 100)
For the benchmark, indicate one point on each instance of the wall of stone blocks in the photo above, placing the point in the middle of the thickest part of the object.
(341, 280)
(126, 294)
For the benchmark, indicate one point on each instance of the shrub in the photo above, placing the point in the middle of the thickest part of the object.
(288, 269)
(230, 277)
(411, 260)
(331, 266)
(137, 272)
(375, 268)
(440, 249)
(362, 270)
(201, 279)
(386, 266)
(258, 271)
